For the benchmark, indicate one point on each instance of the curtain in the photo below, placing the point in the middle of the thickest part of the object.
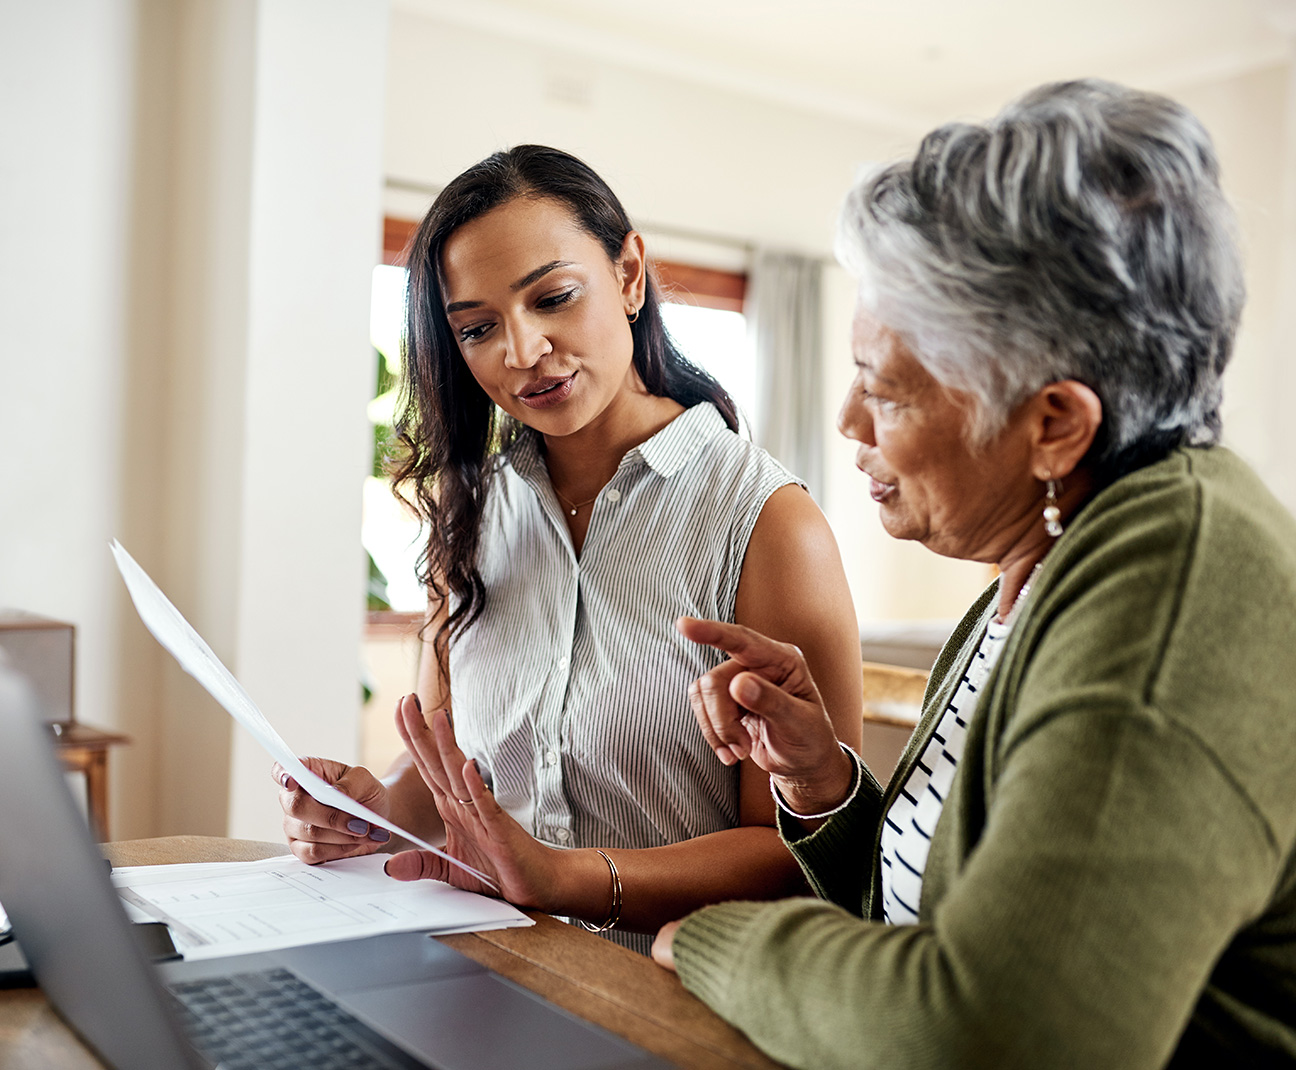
(784, 320)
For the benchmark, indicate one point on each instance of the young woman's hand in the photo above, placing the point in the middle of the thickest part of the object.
(763, 704)
(319, 833)
(478, 830)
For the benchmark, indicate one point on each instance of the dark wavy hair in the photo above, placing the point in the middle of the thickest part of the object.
(450, 434)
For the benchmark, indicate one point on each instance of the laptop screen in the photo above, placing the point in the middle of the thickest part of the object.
(63, 908)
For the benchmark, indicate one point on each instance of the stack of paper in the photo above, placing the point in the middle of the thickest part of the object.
(232, 908)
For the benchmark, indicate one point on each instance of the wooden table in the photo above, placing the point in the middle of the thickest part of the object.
(600, 981)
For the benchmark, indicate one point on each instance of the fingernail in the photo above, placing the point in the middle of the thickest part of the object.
(357, 826)
(417, 704)
(385, 865)
(450, 719)
(283, 779)
(290, 783)
(379, 836)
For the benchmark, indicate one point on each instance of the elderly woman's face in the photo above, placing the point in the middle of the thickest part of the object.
(913, 444)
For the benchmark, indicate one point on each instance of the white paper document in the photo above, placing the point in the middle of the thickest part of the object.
(232, 908)
(197, 659)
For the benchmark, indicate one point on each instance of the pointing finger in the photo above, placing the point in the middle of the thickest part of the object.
(747, 647)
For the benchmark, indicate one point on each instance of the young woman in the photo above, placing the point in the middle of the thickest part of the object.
(583, 486)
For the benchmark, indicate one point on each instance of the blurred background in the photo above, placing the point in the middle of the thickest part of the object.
(202, 210)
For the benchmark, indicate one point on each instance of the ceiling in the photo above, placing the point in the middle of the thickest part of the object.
(899, 65)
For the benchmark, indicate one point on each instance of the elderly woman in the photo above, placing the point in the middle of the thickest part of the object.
(1085, 857)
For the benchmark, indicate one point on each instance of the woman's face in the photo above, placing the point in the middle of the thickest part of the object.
(932, 487)
(539, 313)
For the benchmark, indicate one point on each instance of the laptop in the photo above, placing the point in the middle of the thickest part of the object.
(400, 1000)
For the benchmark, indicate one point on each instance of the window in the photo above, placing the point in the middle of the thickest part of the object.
(388, 530)
(716, 340)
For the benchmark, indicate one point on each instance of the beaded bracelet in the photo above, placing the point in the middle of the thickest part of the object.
(856, 781)
(614, 914)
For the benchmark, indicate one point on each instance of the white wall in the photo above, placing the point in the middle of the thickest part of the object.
(193, 201)
(315, 196)
(1247, 118)
(66, 78)
(676, 153)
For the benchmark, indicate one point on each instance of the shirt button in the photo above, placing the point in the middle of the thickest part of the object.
(562, 835)
(551, 757)
(614, 495)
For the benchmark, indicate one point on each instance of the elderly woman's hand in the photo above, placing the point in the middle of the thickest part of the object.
(663, 946)
(763, 704)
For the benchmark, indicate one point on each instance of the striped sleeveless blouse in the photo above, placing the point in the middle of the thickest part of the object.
(571, 688)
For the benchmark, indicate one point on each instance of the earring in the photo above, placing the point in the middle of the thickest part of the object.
(1052, 514)
(631, 317)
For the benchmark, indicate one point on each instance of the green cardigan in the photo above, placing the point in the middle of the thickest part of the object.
(1112, 881)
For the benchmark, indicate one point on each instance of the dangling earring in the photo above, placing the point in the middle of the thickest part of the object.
(631, 317)
(1052, 514)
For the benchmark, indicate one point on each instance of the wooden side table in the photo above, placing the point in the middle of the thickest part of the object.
(83, 749)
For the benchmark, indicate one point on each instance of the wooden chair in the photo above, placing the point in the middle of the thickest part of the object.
(893, 694)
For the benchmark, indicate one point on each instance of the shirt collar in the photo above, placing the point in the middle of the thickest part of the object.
(524, 456)
(668, 451)
(681, 440)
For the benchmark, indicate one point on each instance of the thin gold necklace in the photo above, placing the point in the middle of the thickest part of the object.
(573, 506)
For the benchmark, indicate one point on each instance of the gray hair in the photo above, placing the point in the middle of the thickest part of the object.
(1081, 234)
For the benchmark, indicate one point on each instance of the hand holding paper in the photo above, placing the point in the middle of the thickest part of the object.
(315, 831)
(197, 659)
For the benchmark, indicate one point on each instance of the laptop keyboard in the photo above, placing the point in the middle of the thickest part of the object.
(271, 1019)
